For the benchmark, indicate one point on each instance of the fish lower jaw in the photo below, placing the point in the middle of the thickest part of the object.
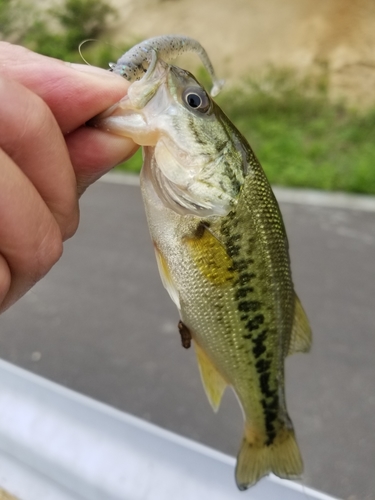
(146, 139)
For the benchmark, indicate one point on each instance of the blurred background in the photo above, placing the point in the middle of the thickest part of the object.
(300, 74)
(300, 78)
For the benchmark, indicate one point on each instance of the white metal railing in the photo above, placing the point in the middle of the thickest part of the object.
(56, 444)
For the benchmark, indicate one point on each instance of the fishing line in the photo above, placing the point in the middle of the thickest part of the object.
(80, 51)
(110, 64)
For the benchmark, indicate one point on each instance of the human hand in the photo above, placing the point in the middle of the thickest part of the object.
(48, 158)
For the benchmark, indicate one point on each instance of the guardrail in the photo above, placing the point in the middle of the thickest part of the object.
(56, 444)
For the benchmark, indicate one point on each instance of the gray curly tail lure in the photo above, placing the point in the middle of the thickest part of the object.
(134, 63)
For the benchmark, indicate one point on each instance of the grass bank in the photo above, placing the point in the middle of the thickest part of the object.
(301, 138)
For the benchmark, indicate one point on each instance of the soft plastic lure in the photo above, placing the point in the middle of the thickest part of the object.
(134, 63)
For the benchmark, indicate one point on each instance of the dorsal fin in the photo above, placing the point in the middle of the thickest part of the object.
(300, 340)
(213, 382)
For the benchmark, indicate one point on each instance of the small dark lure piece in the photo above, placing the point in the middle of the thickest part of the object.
(185, 335)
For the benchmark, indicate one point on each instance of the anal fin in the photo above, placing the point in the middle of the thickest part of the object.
(300, 340)
(213, 382)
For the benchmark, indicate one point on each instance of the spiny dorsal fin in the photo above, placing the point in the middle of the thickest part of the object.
(300, 340)
(213, 382)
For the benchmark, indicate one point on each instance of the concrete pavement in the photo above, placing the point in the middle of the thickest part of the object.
(102, 324)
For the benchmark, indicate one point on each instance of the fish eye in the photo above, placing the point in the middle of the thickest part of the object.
(196, 98)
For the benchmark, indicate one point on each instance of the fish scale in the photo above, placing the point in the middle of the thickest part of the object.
(221, 249)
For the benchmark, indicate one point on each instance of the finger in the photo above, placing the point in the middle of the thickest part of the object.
(30, 136)
(94, 152)
(30, 238)
(74, 93)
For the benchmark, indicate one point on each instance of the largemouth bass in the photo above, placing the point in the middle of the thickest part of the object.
(220, 245)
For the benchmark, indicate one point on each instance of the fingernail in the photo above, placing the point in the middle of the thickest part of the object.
(94, 70)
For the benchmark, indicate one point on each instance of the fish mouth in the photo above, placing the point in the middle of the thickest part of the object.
(146, 99)
(122, 119)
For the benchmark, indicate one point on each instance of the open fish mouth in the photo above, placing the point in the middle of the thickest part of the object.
(133, 115)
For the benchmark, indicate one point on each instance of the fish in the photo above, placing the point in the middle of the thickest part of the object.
(220, 245)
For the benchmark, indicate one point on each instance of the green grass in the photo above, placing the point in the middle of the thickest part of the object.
(133, 165)
(301, 137)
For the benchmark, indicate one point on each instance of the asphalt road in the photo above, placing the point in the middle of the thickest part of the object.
(102, 324)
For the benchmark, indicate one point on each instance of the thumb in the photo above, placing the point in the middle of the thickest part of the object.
(94, 152)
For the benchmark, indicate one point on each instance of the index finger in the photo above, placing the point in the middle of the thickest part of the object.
(74, 93)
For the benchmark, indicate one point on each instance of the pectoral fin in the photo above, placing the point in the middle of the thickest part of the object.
(300, 340)
(166, 277)
(213, 382)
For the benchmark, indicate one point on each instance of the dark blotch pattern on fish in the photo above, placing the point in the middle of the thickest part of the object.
(270, 400)
(259, 348)
(270, 408)
(253, 319)
(263, 365)
(254, 323)
(249, 305)
(229, 171)
(243, 292)
(198, 136)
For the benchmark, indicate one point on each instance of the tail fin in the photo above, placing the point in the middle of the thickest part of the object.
(256, 460)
